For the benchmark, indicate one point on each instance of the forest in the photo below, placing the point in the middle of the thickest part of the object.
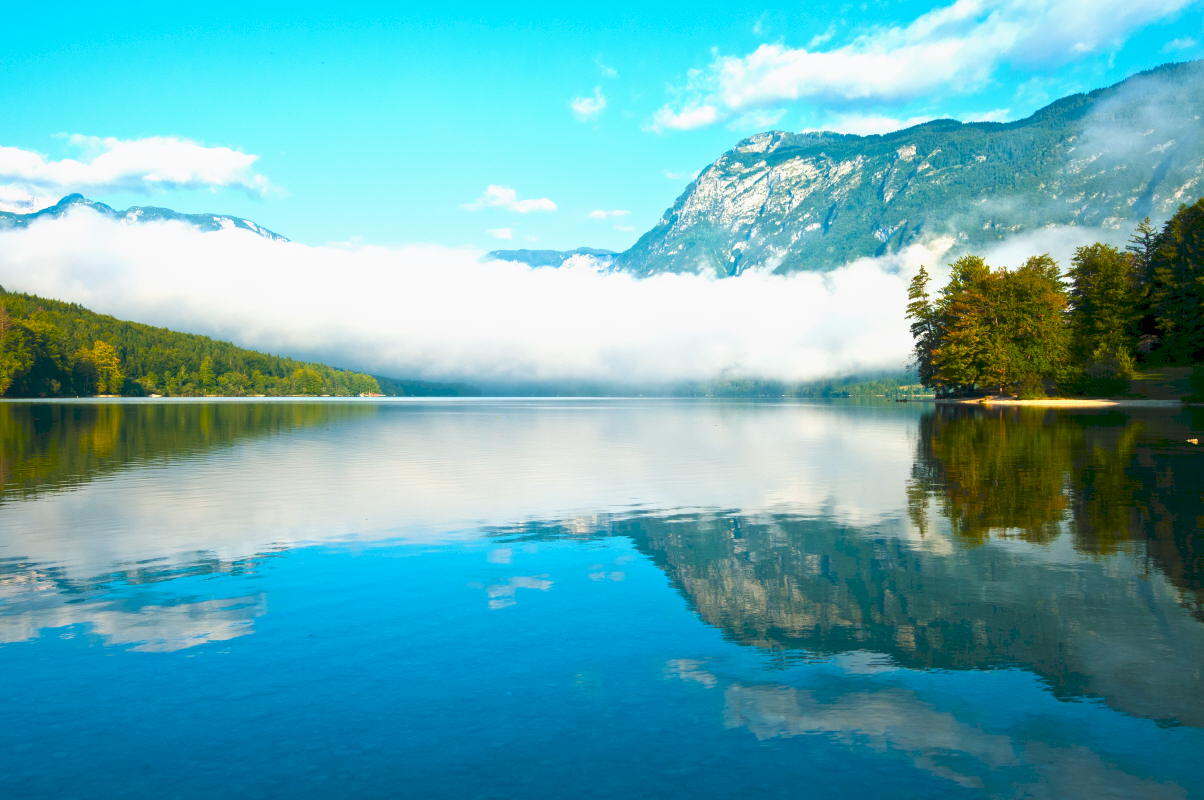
(1033, 331)
(49, 348)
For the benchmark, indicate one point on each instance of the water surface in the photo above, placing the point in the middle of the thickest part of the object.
(598, 598)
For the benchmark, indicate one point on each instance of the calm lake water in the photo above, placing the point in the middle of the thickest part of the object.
(599, 598)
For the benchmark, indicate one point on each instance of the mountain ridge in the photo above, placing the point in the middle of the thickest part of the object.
(204, 221)
(786, 202)
(547, 258)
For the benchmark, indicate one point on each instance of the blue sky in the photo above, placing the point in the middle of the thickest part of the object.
(382, 122)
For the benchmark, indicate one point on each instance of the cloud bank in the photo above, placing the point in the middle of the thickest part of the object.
(954, 48)
(29, 181)
(439, 313)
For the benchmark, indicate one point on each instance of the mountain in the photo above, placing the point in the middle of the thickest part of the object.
(547, 258)
(787, 202)
(206, 222)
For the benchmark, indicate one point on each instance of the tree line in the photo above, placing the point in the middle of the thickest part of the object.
(1033, 331)
(50, 348)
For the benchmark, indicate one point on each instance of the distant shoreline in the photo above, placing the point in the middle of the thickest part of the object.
(1064, 402)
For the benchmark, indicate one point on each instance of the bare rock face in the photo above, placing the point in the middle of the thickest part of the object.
(785, 202)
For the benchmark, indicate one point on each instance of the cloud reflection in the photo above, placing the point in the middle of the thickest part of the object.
(1016, 760)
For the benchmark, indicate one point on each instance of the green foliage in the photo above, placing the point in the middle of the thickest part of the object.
(1024, 332)
(1104, 375)
(306, 380)
(1103, 302)
(99, 368)
(51, 445)
(53, 349)
(924, 323)
(1141, 248)
(1175, 294)
(893, 384)
(992, 329)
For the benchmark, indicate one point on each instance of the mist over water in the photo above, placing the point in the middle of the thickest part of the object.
(432, 312)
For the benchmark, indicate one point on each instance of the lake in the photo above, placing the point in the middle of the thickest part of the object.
(599, 598)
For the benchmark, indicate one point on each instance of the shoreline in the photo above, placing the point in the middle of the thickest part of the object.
(1065, 402)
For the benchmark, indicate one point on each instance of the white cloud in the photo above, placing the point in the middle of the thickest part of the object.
(820, 39)
(870, 124)
(994, 115)
(867, 124)
(433, 312)
(25, 199)
(507, 198)
(586, 108)
(501, 233)
(602, 213)
(677, 176)
(1182, 43)
(687, 119)
(139, 165)
(758, 119)
(605, 69)
(951, 49)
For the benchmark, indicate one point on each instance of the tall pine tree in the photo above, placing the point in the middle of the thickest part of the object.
(1176, 287)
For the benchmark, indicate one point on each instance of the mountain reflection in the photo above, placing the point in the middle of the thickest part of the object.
(1064, 544)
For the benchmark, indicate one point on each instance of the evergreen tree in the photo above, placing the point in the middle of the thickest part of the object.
(1176, 286)
(924, 324)
(205, 375)
(1141, 248)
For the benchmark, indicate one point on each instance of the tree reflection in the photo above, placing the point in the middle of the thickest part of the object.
(994, 471)
(1111, 480)
(54, 445)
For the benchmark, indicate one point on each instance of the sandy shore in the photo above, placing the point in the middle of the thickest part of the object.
(1065, 402)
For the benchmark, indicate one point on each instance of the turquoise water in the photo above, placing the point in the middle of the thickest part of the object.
(598, 598)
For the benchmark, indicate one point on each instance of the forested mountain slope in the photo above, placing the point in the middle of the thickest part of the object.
(50, 348)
